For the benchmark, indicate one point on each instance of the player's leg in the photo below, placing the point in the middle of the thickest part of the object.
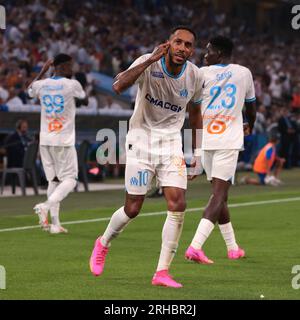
(210, 216)
(55, 226)
(54, 210)
(172, 228)
(220, 168)
(66, 167)
(49, 167)
(278, 166)
(205, 227)
(172, 177)
(248, 180)
(118, 222)
(226, 228)
(137, 180)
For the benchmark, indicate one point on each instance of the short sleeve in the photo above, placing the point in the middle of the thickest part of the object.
(197, 97)
(250, 92)
(33, 90)
(138, 61)
(78, 91)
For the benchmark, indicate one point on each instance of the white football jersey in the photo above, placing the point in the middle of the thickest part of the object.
(58, 111)
(225, 88)
(161, 100)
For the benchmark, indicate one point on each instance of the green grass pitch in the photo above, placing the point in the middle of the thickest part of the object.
(43, 266)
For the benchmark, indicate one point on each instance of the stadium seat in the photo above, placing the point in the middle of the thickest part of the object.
(28, 168)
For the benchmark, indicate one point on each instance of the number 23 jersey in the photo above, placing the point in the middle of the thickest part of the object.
(58, 109)
(224, 91)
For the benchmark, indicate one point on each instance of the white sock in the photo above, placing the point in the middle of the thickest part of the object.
(61, 191)
(170, 237)
(54, 212)
(117, 223)
(204, 229)
(54, 209)
(228, 235)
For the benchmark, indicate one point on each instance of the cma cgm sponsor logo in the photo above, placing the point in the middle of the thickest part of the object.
(183, 93)
(163, 104)
(157, 74)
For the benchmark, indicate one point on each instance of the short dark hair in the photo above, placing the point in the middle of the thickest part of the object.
(61, 58)
(184, 28)
(20, 122)
(225, 45)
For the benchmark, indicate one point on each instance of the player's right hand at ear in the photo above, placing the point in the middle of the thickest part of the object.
(160, 51)
(48, 64)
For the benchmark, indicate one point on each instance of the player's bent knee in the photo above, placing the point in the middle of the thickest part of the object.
(132, 211)
(70, 183)
(177, 205)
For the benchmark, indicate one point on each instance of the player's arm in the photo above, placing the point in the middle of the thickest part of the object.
(44, 70)
(126, 79)
(250, 113)
(250, 105)
(81, 102)
(79, 94)
(196, 124)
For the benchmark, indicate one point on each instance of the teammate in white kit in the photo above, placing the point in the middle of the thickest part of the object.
(167, 82)
(57, 135)
(226, 89)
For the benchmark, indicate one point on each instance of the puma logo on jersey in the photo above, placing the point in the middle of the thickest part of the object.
(157, 74)
(163, 104)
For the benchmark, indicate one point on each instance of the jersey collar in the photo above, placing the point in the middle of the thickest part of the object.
(164, 67)
(221, 65)
(56, 77)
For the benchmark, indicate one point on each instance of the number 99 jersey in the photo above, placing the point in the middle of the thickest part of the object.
(224, 91)
(56, 96)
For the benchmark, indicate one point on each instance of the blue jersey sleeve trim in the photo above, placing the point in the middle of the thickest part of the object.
(250, 100)
(198, 101)
(269, 153)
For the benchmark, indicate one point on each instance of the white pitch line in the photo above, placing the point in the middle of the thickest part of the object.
(158, 213)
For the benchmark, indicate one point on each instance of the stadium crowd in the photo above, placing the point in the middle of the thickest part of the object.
(107, 36)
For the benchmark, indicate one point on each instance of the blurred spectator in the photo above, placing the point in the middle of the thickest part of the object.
(93, 102)
(111, 105)
(287, 128)
(16, 145)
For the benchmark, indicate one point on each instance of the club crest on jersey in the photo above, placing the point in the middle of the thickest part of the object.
(157, 74)
(183, 93)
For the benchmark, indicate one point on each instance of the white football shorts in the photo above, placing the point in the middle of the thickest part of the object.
(143, 162)
(60, 162)
(220, 164)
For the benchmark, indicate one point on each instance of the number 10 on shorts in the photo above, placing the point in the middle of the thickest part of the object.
(143, 178)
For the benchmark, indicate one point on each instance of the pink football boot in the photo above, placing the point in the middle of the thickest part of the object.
(236, 254)
(162, 278)
(97, 259)
(197, 256)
